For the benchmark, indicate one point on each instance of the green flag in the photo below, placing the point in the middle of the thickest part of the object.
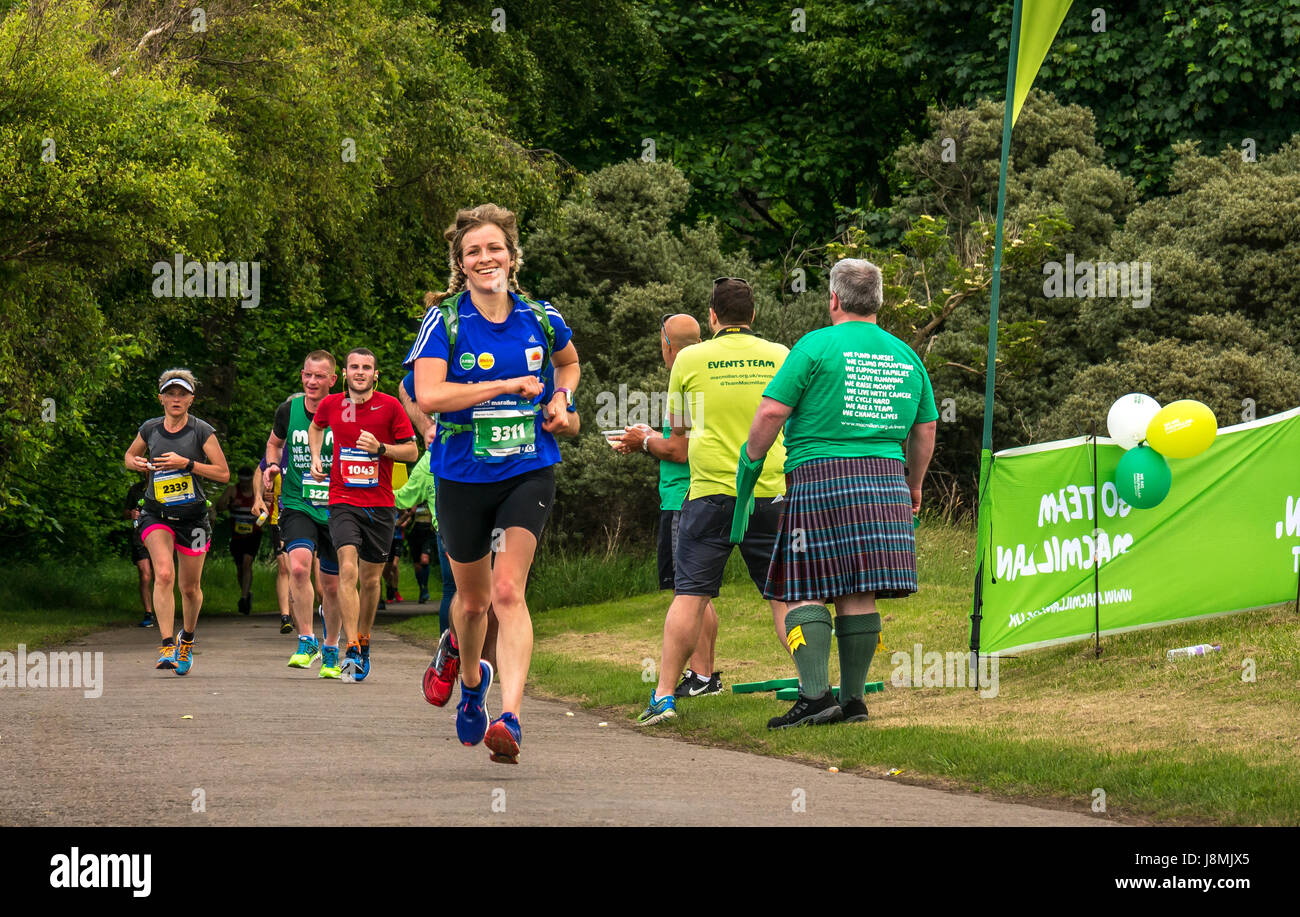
(1039, 23)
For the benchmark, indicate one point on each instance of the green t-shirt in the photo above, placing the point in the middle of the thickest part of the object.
(418, 489)
(674, 480)
(717, 385)
(856, 391)
(300, 490)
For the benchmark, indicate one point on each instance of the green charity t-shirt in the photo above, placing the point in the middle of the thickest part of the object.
(674, 479)
(856, 391)
(297, 465)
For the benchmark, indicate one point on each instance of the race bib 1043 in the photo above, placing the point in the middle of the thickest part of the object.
(360, 468)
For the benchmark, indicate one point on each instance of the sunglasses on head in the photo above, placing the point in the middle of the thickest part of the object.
(718, 280)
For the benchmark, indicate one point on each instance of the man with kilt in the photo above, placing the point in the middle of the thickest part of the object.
(856, 403)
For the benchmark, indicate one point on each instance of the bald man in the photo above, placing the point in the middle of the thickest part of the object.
(676, 333)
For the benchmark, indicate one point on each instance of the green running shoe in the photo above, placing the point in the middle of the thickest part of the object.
(329, 663)
(308, 652)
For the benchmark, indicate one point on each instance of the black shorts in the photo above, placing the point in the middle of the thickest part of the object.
(669, 522)
(398, 535)
(369, 529)
(138, 551)
(471, 516)
(277, 540)
(242, 546)
(192, 534)
(299, 530)
(704, 542)
(420, 541)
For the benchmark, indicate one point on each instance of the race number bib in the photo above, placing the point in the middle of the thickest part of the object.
(503, 433)
(174, 488)
(360, 468)
(315, 492)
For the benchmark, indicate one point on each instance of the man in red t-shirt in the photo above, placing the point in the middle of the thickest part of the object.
(371, 431)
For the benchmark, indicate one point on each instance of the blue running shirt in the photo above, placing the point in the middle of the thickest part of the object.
(485, 352)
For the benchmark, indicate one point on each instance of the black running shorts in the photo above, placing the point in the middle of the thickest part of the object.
(299, 530)
(470, 516)
(369, 529)
(669, 520)
(192, 535)
(420, 541)
(242, 546)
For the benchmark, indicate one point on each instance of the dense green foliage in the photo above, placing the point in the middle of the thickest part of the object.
(331, 143)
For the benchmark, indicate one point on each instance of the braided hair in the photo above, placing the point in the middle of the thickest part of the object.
(467, 221)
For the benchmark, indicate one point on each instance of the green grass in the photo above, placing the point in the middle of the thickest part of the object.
(1184, 742)
(47, 604)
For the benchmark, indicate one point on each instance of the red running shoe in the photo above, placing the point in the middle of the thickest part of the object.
(440, 676)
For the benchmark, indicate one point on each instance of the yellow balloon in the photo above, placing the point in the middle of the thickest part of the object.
(1182, 429)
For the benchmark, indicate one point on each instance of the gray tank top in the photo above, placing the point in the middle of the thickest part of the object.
(178, 493)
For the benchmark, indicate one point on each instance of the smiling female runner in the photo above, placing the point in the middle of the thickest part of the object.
(478, 363)
(181, 449)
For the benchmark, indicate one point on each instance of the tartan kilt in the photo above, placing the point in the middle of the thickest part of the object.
(847, 528)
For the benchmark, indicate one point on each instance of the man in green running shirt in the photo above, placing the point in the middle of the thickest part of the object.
(304, 519)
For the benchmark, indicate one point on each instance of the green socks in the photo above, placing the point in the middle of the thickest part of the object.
(808, 637)
(857, 636)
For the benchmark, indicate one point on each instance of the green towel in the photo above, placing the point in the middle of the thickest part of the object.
(747, 473)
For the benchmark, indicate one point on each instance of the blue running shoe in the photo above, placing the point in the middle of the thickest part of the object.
(308, 652)
(365, 663)
(660, 709)
(503, 738)
(352, 664)
(329, 662)
(184, 656)
(166, 656)
(471, 712)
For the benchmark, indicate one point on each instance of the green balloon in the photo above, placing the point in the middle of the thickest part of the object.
(1143, 477)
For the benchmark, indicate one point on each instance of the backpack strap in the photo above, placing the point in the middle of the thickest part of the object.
(451, 321)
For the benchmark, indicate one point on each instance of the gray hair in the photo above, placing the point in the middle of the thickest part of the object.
(858, 285)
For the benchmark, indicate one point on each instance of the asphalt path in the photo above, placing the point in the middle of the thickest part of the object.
(245, 740)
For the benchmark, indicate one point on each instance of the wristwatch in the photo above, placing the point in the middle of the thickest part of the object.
(568, 397)
(190, 466)
(382, 448)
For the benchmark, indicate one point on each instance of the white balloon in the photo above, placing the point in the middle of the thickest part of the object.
(1129, 418)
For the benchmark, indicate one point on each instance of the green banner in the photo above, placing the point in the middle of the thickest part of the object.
(1225, 539)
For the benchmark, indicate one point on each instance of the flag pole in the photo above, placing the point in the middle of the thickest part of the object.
(986, 445)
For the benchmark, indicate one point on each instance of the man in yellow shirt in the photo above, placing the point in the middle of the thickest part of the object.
(713, 392)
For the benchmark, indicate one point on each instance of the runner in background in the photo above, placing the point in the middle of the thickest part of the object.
(371, 432)
(139, 553)
(174, 520)
(245, 533)
(440, 676)
(271, 511)
(676, 332)
(392, 572)
(304, 517)
(478, 362)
